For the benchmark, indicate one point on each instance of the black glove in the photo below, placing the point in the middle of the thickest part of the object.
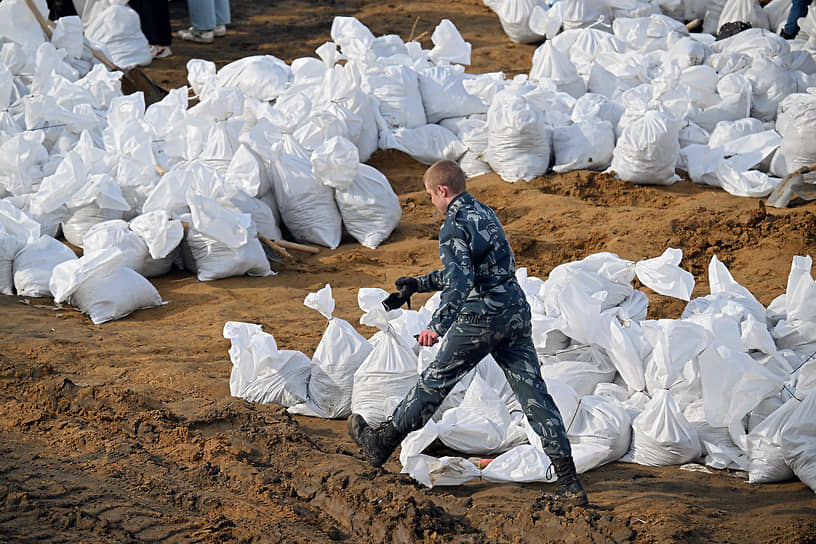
(395, 300)
(407, 284)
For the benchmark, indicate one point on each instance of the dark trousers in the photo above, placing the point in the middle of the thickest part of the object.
(155, 16)
(799, 8)
(508, 338)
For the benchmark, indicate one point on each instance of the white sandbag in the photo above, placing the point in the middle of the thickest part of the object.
(119, 28)
(551, 64)
(797, 118)
(211, 259)
(390, 370)
(82, 218)
(581, 367)
(736, 99)
(397, 89)
(481, 424)
(770, 84)
(449, 46)
(648, 33)
(9, 246)
(661, 435)
(671, 364)
(161, 234)
(721, 281)
(475, 136)
(444, 95)
(711, 18)
(733, 384)
(17, 223)
(280, 376)
(426, 144)
(337, 357)
(519, 138)
(743, 11)
(799, 441)
(306, 205)
(116, 233)
(262, 213)
(599, 433)
(664, 275)
(766, 457)
(353, 37)
(264, 77)
(369, 207)
(514, 16)
(592, 106)
(647, 150)
(522, 464)
(34, 264)
(100, 285)
(441, 471)
(727, 131)
(586, 145)
(243, 365)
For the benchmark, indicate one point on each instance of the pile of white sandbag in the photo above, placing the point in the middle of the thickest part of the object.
(731, 383)
(271, 147)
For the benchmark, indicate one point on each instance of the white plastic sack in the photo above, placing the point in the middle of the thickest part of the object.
(519, 139)
(551, 64)
(449, 46)
(522, 464)
(9, 246)
(306, 205)
(337, 357)
(264, 77)
(34, 264)
(514, 16)
(98, 284)
(119, 28)
(766, 458)
(211, 259)
(280, 376)
(743, 11)
(664, 275)
(599, 433)
(426, 144)
(586, 145)
(369, 207)
(799, 441)
(661, 435)
(389, 371)
(397, 88)
(444, 95)
(647, 150)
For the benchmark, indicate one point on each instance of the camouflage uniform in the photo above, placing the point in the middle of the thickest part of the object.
(483, 311)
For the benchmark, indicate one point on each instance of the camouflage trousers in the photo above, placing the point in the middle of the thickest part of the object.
(472, 337)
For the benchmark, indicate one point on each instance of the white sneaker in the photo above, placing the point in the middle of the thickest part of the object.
(160, 51)
(220, 30)
(193, 35)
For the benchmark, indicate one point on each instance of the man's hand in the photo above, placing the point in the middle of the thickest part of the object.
(407, 284)
(427, 338)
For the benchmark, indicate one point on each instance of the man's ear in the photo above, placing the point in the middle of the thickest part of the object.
(443, 190)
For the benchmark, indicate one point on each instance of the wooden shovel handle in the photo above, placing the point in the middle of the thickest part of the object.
(40, 19)
(278, 245)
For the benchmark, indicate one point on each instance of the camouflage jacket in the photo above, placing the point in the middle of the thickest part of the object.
(478, 266)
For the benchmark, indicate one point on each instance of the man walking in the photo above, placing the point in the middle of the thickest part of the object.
(482, 311)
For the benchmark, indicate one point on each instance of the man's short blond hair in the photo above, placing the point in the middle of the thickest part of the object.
(445, 173)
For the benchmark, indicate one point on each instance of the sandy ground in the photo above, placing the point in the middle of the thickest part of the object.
(126, 431)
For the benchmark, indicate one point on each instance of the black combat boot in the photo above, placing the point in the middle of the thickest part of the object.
(569, 489)
(378, 442)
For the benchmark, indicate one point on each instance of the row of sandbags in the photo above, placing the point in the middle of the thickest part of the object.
(531, 21)
(731, 383)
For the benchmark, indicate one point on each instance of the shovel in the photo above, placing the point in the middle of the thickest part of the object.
(792, 186)
(132, 80)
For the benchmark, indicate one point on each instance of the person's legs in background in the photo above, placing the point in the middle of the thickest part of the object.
(202, 17)
(222, 17)
(799, 8)
(155, 18)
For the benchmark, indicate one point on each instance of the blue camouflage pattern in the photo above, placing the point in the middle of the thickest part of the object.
(482, 311)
